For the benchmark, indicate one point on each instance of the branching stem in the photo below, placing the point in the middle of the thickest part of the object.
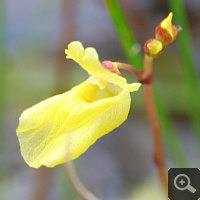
(145, 77)
(130, 68)
(159, 157)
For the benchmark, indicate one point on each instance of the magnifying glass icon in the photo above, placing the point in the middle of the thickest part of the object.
(182, 182)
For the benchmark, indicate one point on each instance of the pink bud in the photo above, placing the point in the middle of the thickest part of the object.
(109, 66)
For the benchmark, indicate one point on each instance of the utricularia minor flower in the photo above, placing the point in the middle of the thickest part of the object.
(63, 127)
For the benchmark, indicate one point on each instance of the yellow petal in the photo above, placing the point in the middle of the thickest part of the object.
(154, 47)
(166, 32)
(88, 59)
(167, 24)
(63, 127)
(133, 87)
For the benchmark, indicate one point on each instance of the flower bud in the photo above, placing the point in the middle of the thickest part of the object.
(166, 32)
(153, 47)
(111, 67)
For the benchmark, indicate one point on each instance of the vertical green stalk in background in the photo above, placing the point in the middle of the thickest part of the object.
(171, 140)
(2, 64)
(188, 64)
(128, 41)
(2, 85)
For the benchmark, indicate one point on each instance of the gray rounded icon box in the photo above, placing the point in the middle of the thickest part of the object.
(184, 184)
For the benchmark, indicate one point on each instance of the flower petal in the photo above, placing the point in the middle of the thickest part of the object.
(63, 127)
(88, 59)
(133, 87)
(167, 24)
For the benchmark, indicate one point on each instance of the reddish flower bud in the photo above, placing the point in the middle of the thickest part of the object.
(166, 32)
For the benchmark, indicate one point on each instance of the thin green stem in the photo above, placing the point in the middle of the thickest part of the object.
(2, 63)
(2, 78)
(188, 64)
(129, 44)
(127, 40)
(171, 140)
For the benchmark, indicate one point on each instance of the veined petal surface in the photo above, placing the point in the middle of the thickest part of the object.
(63, 127)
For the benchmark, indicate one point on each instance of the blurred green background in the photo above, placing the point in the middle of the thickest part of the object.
(33, 36)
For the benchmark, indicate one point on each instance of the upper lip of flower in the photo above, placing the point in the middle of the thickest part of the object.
(88, 59)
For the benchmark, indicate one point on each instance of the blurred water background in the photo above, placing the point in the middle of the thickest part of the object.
(119, 165)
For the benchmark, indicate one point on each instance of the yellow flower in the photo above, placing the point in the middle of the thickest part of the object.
(63, 127)
(166, 32)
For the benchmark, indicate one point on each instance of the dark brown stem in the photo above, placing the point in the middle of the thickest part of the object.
(78, 186)
(159, 156)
